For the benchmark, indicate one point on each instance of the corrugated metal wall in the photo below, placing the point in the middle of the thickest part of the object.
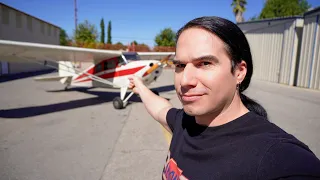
(309, 63)
(286, 50)
(274, 47)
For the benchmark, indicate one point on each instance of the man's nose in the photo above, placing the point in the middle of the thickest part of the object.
(189, 76)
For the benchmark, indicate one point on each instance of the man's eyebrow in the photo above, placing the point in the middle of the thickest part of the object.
(201, 58)
(206, 58)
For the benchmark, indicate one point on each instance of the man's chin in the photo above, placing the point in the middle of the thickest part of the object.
(192, 110)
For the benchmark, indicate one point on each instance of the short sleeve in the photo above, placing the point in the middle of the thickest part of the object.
(173, 116)
(289, 160)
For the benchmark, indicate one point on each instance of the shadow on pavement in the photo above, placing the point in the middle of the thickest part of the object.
(101, 97)
(12, 77)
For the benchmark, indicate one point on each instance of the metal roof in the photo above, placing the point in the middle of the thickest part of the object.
(312, 11)
(272, 19)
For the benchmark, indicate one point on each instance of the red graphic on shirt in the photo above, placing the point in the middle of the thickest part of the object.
(172, 171)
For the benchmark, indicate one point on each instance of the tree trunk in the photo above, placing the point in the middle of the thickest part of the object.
(239, 17)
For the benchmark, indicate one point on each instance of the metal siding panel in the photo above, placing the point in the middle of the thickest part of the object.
(293, 54)
(278, 54)
(317, 76)
(276, 57)
(283, 55)
(266, 59)
(261, 59)
(306, 54)
(272, 57)
(315, 58)
(309, 55)
(255, 52)
(288, 50)
(314, 45)
(303, 53)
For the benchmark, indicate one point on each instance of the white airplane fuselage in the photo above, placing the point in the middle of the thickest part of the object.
(118, 75)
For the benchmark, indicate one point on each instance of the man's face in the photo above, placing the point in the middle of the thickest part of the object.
(203, 79)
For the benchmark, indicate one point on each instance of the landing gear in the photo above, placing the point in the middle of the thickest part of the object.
(118, 103)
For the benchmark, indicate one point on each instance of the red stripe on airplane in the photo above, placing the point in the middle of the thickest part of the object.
(117, 73)
(90, 71)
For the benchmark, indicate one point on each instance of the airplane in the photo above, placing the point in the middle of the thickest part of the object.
(107, 68)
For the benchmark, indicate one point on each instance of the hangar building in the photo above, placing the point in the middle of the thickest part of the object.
(16, 25)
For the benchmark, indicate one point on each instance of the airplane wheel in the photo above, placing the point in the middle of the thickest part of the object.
(118, 103)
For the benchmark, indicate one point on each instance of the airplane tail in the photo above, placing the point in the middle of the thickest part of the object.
(66, 72)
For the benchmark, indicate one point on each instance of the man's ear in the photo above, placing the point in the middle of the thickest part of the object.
(241, 71)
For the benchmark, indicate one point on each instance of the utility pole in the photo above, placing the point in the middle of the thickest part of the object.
(75, 15)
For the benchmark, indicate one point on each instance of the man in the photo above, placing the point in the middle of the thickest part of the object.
(220, 133)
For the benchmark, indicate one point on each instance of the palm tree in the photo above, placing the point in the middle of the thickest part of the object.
(239, 9)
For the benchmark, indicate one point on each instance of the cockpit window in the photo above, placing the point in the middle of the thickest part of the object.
(121, 61)
(131, 56)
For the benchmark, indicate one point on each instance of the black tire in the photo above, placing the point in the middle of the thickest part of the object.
(118, 103)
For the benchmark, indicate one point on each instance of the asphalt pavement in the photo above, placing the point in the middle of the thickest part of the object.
(49, 133)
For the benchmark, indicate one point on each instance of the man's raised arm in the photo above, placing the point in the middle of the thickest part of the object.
(156, 106)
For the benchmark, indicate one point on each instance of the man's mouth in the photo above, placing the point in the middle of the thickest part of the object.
(191, 97)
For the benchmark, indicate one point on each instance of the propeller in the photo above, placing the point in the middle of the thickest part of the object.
(163, 63)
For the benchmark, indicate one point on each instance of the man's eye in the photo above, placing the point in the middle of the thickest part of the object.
(205, 63)
(180, 65)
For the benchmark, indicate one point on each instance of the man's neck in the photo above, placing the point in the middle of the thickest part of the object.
(229, 112)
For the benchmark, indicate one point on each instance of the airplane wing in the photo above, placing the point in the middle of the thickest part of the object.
(20, 51)
(155, 55)
(15, 51)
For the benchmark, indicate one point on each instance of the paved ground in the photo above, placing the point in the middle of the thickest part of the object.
(46, 133)
(296, 110)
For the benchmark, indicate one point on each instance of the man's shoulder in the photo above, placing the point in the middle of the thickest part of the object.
(289, 157)
(283, 154)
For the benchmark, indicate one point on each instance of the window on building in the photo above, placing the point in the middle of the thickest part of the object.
(55, 32)
(5, 15)
(29, 23)
(18, 19)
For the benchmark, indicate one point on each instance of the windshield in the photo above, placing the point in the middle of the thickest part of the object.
(131, 56)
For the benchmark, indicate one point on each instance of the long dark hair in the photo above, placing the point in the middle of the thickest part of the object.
(237, 47)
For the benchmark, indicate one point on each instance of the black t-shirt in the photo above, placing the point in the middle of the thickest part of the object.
(249, 147)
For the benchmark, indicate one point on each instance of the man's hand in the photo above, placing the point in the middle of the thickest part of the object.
(135, 84)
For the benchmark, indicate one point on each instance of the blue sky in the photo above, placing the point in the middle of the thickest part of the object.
(139, 20)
